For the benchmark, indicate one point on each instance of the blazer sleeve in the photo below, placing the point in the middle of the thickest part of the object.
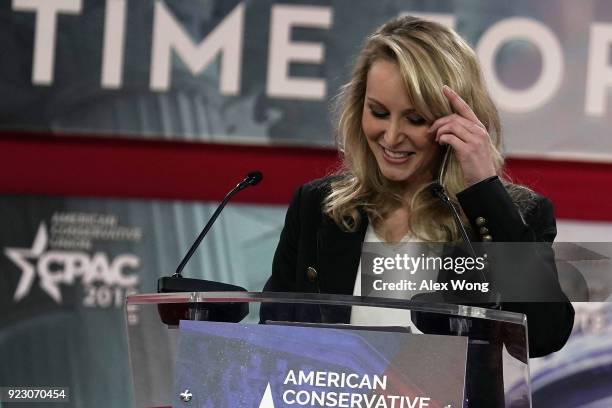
(488, 204)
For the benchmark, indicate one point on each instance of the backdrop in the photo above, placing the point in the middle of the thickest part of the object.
(123, 123)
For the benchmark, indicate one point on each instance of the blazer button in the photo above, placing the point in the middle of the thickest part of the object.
(480, 221)
(484, 230)
(311, 274)
(487, 238)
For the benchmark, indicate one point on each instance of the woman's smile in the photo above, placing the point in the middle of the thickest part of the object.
(396, 156)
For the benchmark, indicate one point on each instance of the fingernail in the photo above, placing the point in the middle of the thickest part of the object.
(447, 88)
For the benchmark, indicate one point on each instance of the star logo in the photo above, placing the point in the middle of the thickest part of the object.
(56, 268)
(20, 257)
(266, 400)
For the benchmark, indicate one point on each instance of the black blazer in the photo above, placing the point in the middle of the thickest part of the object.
(311, 239)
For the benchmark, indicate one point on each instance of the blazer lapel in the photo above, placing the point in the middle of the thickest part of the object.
(338, 255)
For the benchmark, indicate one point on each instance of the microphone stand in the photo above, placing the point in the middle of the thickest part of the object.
(240, 186)
(223, 312)
(438, 190)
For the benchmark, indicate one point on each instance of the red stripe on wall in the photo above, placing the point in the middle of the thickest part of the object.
(88, 166)
(579, 190)
(102, 167)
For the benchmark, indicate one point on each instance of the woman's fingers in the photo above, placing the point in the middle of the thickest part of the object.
(450, 139)
(454, 118)
(467, 136)
(459, 106)
(465, 130)
(475, 139)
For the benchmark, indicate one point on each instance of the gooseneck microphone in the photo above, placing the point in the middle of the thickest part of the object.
(252, 179)
(176, 282)
(172, 313)
(457, 326)
(437, 190)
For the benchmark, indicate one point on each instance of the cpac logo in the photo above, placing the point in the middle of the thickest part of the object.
(62, 267)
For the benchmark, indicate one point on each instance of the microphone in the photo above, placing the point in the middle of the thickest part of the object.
(437, 190)
(171, 313)
(252, 179)
(438, 324)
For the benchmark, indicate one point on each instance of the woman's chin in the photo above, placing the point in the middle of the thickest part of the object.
(396, 177)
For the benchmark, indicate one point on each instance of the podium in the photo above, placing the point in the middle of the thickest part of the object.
(210, 349)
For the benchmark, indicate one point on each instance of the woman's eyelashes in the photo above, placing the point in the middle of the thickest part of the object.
(417, 120)
(413, 118)
(378, 113)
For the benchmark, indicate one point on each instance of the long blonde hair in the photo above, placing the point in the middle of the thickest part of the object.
(429, 56)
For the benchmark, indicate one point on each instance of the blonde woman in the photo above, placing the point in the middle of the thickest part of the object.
(415, 90)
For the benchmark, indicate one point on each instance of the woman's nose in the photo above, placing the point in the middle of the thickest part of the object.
(393, 134)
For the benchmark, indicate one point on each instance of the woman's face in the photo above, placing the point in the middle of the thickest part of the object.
(396, 133)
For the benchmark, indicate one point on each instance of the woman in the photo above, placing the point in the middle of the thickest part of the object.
(416, 88)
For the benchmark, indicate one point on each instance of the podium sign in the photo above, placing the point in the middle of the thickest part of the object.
(264, 366)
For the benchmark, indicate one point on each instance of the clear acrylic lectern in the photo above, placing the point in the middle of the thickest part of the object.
(204, 348)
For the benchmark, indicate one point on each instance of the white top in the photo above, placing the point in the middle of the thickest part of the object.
(373, 316)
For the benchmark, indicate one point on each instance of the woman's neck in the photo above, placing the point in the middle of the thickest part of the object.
(395, 225)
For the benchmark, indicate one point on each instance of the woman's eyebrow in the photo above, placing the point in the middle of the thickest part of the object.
(405, 111)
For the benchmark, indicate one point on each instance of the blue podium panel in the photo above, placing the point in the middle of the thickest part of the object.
(263, 366)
